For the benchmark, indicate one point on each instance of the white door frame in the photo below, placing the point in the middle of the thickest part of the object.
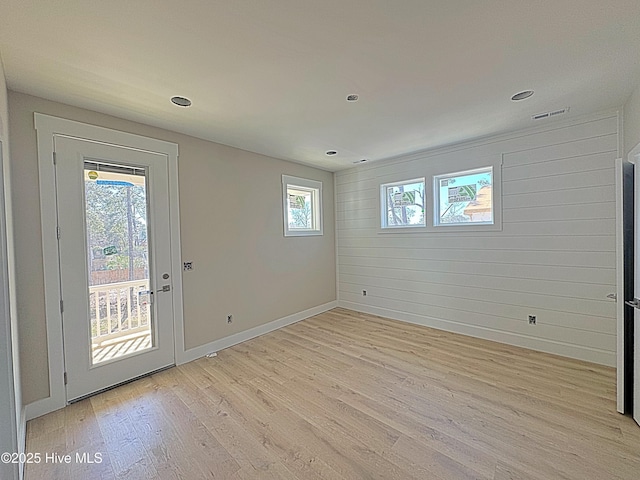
(46, 126)
(9, 415)
(634, 157)
(619, 286)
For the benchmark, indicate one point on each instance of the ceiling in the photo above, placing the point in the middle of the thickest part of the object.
(272, 76)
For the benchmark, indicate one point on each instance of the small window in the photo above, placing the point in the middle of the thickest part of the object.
(464, 198)
(302, 205)
(402, 204)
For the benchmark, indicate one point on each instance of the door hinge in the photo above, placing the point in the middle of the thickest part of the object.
(58, 232)
(61, 306)
(65, 378)
(55, 160)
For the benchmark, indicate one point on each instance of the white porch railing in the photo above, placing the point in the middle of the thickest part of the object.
(116, 309)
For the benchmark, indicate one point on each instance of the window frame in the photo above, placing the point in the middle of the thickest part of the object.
(496, 198)
(384, 226)
(307, 185)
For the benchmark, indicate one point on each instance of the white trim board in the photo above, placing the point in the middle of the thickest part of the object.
(236, 338)
(11, 422)
(335, 236)
(539, 344)
(634, 157)
(22, 438)
(46, 127)
(620, 307)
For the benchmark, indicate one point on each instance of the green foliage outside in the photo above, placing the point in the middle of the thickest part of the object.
(116, 216)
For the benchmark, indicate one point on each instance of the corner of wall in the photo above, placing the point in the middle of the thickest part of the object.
(546, 257)
(631, 121)
(8, 278)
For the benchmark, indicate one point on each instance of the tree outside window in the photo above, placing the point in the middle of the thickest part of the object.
(403, 204)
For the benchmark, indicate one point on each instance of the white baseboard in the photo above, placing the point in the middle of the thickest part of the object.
(50, 404)
(42, 407)
(236, 338)
(548, 346)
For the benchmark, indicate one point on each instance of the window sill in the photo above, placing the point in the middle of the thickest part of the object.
(403, 230)
(315, 233)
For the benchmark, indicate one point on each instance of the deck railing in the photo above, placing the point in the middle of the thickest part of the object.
(118, 309)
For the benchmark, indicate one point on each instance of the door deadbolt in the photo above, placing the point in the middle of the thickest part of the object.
(165, 276)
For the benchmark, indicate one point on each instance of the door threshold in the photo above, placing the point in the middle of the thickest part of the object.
(98, 392)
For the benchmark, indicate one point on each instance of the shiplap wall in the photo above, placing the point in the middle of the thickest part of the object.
(554, 258)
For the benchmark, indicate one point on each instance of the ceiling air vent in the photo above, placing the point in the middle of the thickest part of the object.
(553, 113)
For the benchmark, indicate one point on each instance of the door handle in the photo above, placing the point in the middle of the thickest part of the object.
(164, 288)
(635, 303)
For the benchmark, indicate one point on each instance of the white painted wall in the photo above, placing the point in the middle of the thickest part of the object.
(231, 229)
(632, 121)
(12, 423)
(554, 258)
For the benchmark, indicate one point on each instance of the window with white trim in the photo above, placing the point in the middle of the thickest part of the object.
(302, 206)
(464, 198)
(402, 204)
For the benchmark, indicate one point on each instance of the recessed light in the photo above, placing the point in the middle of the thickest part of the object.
(331, 152)
(522, 95)
(361, 161)
(181, 101)
(352, 98)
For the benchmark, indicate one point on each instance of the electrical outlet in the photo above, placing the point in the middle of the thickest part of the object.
(187, 266)
(229, 318)
(532, 319)
(364, 293)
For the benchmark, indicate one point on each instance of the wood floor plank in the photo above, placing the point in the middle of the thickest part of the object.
(124, 447)
(347, 395)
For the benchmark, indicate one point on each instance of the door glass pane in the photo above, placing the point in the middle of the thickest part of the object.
(118, 260)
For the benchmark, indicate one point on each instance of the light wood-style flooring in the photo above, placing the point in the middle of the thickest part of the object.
(345, 395)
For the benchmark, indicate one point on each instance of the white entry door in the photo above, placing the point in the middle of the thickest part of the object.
(115, 263)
